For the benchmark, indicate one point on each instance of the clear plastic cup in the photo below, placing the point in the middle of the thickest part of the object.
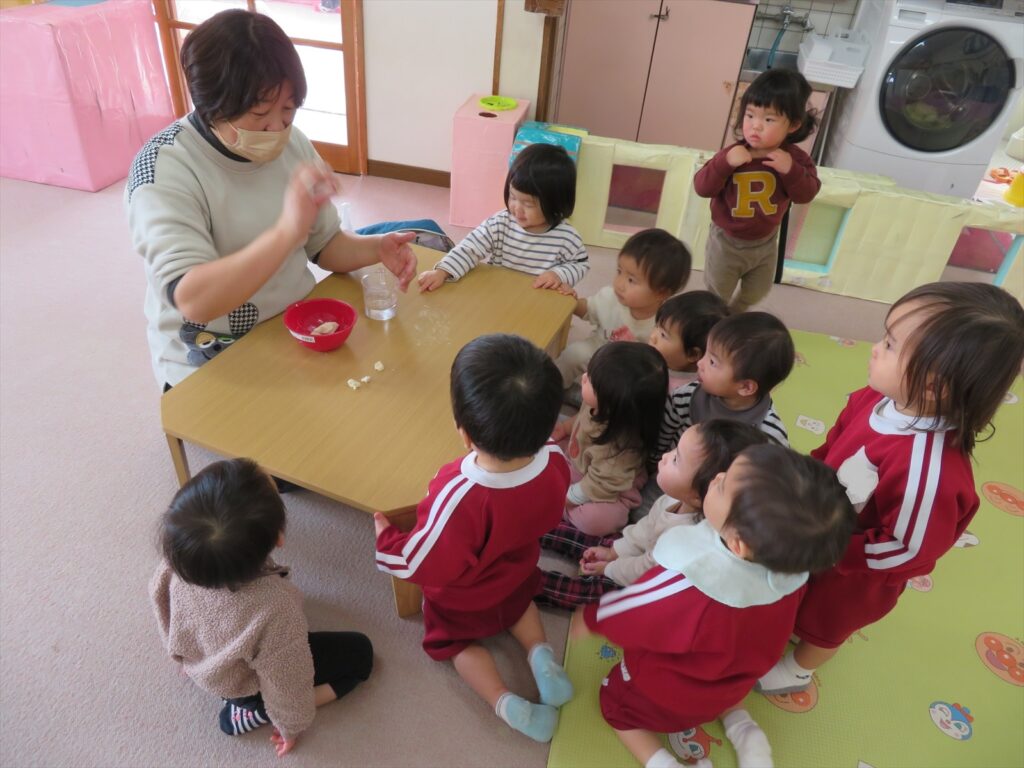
(380, 294)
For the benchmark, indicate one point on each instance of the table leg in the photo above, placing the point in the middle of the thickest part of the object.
(561, 339)
(408, 597)
(180, 460)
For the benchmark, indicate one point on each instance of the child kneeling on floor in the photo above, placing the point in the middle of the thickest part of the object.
(713, 615)
(476, 541)
(230, 616)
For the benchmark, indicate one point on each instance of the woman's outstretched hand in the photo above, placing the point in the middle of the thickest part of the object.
(397, 256)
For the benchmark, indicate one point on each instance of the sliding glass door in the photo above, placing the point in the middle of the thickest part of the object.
(327, 35)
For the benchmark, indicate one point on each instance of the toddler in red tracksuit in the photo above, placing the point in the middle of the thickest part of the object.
(476, 541)
(699, 628)
(902, 447)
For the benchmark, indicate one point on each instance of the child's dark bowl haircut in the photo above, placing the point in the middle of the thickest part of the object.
(722, 440)
(965, 355)
(629, 379)
(791, 510)
(758, 346)
(693, 314)
(549, 174)
(222, 525)
(237, 59)
(506, 394)
(785, 91)
(662, 258)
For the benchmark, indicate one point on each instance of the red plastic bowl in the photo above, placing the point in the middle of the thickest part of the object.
(303, 316)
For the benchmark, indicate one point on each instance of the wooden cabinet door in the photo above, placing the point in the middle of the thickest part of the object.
(696, 63)
(605, 62)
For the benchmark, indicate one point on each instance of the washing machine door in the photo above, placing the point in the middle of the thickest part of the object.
(945, 88)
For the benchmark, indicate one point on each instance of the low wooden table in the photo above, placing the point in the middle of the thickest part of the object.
(376, 448)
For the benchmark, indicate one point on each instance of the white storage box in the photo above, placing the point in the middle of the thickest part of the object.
(836, 59)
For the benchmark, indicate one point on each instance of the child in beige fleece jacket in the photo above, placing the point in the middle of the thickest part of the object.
(229, 615)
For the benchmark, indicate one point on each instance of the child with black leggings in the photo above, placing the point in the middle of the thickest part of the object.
(230, 616)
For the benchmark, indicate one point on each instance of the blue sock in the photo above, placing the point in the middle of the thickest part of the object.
(535, 720)
(552, 682)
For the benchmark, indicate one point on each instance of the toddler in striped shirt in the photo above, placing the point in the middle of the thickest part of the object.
(531, 235)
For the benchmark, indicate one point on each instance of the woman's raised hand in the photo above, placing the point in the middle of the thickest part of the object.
(310, 186)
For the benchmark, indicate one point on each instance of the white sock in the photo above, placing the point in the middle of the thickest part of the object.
(785, 677)
(501, 705)
(747, 738)
(662, 759)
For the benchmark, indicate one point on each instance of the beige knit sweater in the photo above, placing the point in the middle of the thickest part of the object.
(235, 643)
(608, 471)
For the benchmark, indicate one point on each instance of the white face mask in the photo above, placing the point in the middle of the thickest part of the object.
(258, 146)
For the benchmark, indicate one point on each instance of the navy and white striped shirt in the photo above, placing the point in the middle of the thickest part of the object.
(689, 405)
(502, 242)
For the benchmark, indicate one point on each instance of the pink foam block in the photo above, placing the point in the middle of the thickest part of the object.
(81, 90)
(480, 150)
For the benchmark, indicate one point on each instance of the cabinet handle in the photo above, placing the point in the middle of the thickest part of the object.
(661, 16)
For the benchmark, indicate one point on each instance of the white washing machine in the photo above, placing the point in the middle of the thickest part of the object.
(936, 92)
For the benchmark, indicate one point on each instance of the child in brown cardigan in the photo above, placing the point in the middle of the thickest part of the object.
(230, 616)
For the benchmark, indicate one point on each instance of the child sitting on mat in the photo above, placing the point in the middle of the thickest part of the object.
(230, 616)
(747, 356)
(681, 330)
(698, 629)
(611, 437)
(684, 475)
(902, 446)
(476, 541)
(652, 266)
(531, 234)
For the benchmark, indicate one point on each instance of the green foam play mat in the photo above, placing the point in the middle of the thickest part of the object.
(937, 682)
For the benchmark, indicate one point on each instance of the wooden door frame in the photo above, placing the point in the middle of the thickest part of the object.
(350, 158)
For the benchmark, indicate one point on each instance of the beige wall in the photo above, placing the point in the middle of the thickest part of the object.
(424, 58)
(522, 36)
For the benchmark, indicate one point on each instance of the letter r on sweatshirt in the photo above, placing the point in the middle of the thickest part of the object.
(754, 187)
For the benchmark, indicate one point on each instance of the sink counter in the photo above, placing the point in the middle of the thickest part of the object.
(756, 58)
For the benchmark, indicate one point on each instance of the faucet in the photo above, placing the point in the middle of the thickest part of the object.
(785, 17)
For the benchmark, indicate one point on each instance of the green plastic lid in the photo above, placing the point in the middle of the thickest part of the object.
(498, 103)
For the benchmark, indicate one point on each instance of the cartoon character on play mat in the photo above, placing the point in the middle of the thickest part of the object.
(921, 583)
(798, 702)
(692, 745)
(1005, 497)
(967, 540)
(1003, 655)
(608, 653)
(954, 720)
